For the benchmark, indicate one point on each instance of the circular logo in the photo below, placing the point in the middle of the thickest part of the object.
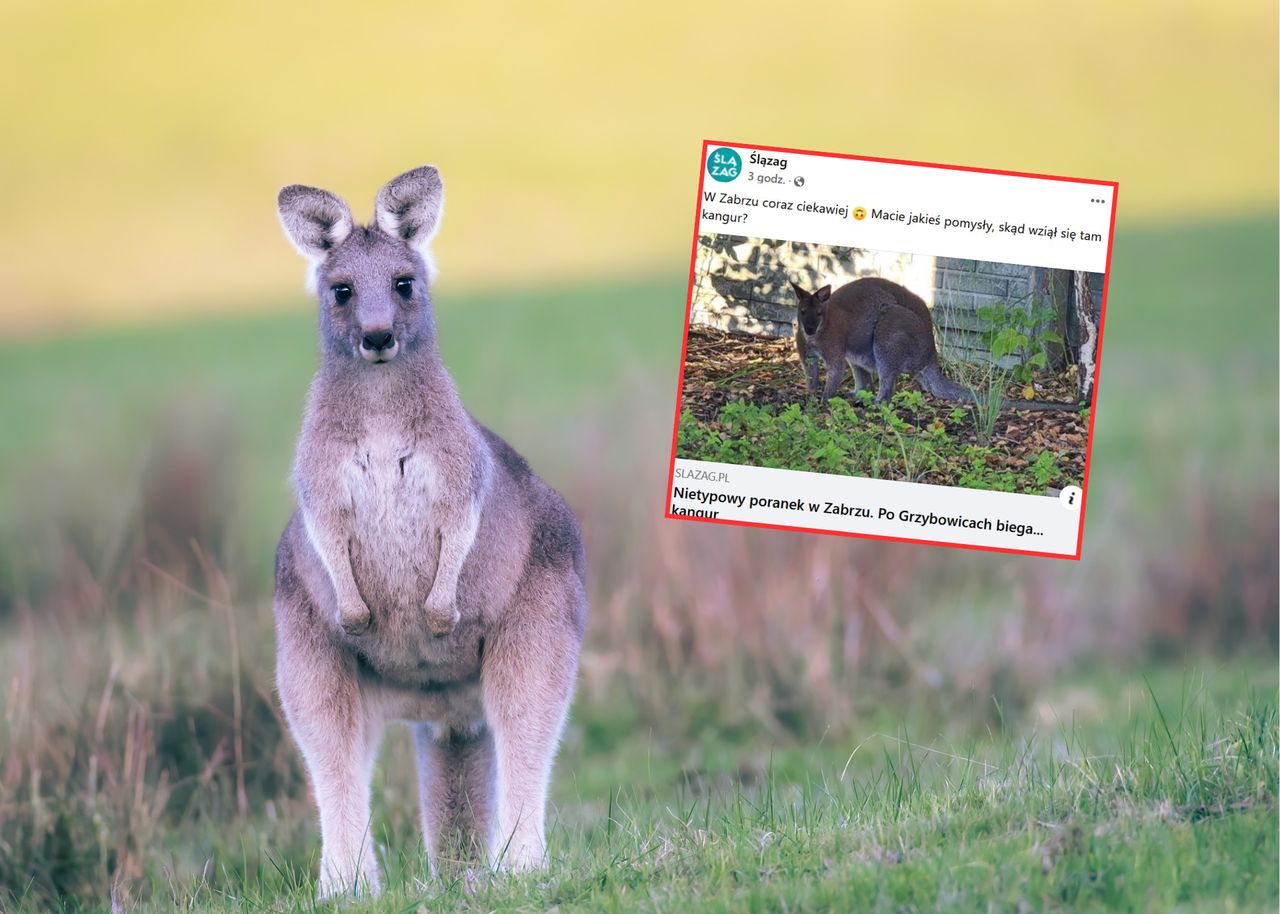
(724, 164)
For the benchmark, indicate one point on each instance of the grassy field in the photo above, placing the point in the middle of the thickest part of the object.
(1148, 796)
(765, 721)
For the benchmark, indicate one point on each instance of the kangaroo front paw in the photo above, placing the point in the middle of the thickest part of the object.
(355, 617)
(441, 620)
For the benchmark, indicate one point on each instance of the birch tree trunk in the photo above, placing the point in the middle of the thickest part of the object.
(1088, 328)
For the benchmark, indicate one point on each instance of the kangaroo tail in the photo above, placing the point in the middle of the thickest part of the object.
(1042, 405)
(942, 387)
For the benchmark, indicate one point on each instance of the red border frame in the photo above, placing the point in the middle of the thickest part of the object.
(1097, 355)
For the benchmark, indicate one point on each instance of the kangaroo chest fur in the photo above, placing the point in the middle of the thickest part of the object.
(388, 477)
(391, 484)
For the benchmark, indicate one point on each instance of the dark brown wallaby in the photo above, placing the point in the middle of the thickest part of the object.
(877, 325)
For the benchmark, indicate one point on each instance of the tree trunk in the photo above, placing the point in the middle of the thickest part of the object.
(1088, 330)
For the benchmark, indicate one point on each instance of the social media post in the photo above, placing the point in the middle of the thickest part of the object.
(937, 392)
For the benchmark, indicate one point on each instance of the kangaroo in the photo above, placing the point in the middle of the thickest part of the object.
(873, 323)
(427, 576)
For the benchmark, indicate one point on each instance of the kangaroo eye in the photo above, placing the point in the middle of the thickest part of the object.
(341, 293)
(404, 286)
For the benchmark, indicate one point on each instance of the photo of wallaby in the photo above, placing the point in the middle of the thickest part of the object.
(888, 365)
(428, 576)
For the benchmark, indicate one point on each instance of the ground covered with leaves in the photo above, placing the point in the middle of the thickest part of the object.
(744, 401)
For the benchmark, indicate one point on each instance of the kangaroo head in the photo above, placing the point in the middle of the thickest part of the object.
(371, 281)
(811, 307)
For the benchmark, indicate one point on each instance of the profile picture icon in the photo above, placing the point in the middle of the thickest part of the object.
(724, 164)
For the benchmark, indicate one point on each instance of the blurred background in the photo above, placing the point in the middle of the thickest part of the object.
(156, 344)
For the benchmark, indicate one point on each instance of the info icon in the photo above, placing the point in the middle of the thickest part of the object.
(724, 164)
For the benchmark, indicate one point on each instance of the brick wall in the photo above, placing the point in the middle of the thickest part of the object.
(961, 287)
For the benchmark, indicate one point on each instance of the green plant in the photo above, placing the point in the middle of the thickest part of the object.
(1044, 469)
(910, 400)
(1022, 332)
(978, 473)
(885, 442)
(987, 404)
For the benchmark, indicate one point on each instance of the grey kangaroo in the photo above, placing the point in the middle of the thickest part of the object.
(428, 576)
(876, 324)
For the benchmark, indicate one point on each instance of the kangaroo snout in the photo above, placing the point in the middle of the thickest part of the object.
(378, 346)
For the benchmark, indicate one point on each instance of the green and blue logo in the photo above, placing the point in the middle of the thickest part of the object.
(724, 164)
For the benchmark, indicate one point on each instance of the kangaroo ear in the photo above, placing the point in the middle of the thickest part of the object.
(410, 206)
(315, 220)
(823, 294)
(800, 293)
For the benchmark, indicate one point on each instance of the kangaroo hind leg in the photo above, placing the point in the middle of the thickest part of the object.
(338, 729)
(529, 669)
(861, 377)
(455, 794)
(888, 367)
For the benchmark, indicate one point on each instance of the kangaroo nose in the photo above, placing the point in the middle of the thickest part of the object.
(379, 340)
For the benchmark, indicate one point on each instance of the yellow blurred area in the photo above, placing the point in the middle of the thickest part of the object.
(144, 141)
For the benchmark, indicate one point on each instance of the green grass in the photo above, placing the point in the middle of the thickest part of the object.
(1188, 356)
(1157, 796)
(907, 440)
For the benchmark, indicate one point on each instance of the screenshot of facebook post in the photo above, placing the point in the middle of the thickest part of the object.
(890, 349)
